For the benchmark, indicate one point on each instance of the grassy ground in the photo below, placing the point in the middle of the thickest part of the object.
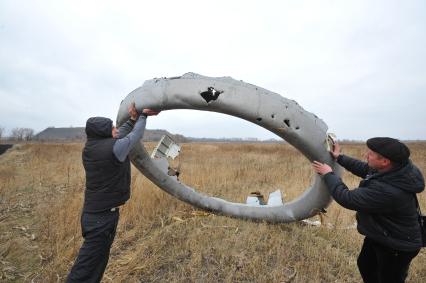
(161, 239)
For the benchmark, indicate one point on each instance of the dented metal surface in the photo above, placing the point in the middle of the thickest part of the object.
(280, 115)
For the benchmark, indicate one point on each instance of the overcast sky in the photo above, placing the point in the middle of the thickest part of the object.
(358, 65)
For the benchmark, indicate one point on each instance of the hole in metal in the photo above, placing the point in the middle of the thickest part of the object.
(210, 94)
(287, 122)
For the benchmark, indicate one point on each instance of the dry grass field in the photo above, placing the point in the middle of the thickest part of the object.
(161, 239)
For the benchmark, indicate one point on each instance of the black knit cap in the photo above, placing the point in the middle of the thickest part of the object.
(390, 148)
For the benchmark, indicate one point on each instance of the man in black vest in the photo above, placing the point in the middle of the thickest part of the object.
(107, 166)
(385, 202)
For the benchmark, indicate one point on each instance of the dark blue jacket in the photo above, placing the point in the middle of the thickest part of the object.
(385, 202)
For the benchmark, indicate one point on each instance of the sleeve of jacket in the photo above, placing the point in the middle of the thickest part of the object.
(369, 199)
(123, 145)
(353, 165)
(126, 128)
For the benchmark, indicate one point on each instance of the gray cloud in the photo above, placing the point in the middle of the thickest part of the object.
(359, 65)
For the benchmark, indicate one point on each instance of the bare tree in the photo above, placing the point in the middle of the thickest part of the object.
(21, 134)
(1, 132)
(28, 134)
(17, 134)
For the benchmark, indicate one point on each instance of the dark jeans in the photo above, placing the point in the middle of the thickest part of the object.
(378, 263)
(98, 230)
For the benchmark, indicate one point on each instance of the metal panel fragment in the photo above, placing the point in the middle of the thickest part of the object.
(275, 198)
(166, 147)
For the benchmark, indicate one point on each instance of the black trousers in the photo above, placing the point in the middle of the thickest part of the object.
(378, 263)
(98, 230)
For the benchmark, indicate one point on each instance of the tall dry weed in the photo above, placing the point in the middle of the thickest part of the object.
(161, 239)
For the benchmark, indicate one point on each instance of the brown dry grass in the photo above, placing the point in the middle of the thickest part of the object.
(161, 239)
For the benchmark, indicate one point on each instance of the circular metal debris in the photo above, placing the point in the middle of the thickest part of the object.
(280, 115)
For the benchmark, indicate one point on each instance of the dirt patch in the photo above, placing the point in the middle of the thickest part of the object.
(4, 147)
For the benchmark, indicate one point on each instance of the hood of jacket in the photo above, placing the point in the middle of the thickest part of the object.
(98, 127)
(407, 178)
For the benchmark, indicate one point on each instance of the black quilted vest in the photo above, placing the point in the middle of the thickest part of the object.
(107, 179)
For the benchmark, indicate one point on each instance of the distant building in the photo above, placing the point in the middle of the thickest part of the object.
(61, 134)
(78, 134)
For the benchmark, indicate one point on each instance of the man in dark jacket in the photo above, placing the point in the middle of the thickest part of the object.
(107, 167)
(385, 202)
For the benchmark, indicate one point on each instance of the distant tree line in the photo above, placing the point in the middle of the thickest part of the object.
(18, 134)
(22, 134)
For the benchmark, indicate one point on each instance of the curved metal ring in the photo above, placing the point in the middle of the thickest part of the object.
(282, 116)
